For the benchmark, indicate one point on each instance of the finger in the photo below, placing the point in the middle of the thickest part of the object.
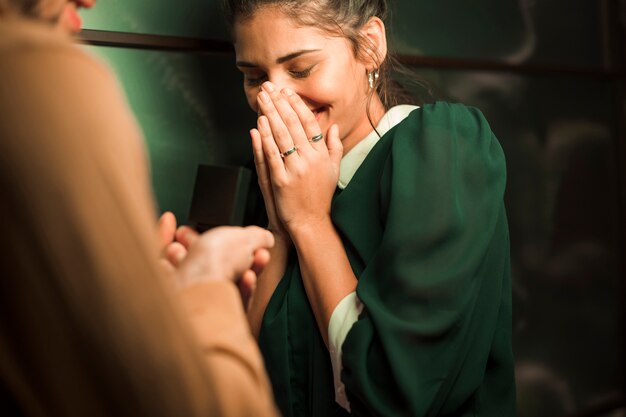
(167, 267)
(175, 253)
(247, 286)
(257, 151)
(288, 117)
(248, 278)
(263, 173)
(271, 152)
(335, 147)
(262, 170)
(262, 237)
(259, 238)
(280, 132)
(261, 259)
(186, 236)
(307, 118)
(166, 228)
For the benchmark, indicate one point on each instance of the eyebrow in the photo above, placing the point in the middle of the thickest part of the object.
(280, 60)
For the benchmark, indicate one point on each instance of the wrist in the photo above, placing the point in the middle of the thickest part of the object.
(311, 227)
(188, 275)
(281, 237)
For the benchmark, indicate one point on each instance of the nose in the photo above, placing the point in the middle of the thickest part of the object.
(281, 81)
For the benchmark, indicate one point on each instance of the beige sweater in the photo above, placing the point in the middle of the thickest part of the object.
(88, 327)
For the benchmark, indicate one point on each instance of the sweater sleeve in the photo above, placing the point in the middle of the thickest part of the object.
(94, 329)
(344, 315)
(229, 349)
(435, 289)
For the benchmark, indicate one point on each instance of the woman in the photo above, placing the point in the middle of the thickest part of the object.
(388, 292)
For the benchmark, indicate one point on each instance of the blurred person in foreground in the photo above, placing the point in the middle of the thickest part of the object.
(91, 325)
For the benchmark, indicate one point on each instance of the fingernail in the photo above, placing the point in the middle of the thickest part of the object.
(287, 91)
(268, 86)
(264, 97)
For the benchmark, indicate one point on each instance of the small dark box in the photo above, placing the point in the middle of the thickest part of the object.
(219, 196)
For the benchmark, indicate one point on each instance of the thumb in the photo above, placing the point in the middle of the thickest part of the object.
(186, 236)
(259, 238)
(335, 147)
(166, 228)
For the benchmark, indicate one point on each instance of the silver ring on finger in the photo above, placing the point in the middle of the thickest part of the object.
(289, 152)
(316, 138)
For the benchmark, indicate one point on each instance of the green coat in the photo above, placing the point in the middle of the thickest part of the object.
(424, 226)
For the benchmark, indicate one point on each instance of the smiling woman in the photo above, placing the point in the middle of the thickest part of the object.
(388, 292)
(320, 67)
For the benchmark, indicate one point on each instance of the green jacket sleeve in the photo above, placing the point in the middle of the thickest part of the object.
(434, 337)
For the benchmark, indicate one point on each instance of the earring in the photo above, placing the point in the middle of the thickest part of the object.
(372, 77)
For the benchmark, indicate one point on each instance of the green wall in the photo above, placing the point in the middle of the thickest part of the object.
(189, 18)
(192, 111)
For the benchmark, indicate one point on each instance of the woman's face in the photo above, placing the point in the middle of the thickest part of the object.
(319, 67)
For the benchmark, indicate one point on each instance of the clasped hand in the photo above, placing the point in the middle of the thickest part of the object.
(297, 176)
(237, 254)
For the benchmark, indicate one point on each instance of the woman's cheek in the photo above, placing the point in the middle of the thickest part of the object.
(323, 90)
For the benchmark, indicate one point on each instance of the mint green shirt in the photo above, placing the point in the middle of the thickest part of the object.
(424, 227)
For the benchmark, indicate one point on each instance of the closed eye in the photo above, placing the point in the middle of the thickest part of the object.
(254, 81)
(302, 74)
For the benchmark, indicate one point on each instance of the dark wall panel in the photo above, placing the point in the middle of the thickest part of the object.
(559, 136)
(562, 139)
(554, 32)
